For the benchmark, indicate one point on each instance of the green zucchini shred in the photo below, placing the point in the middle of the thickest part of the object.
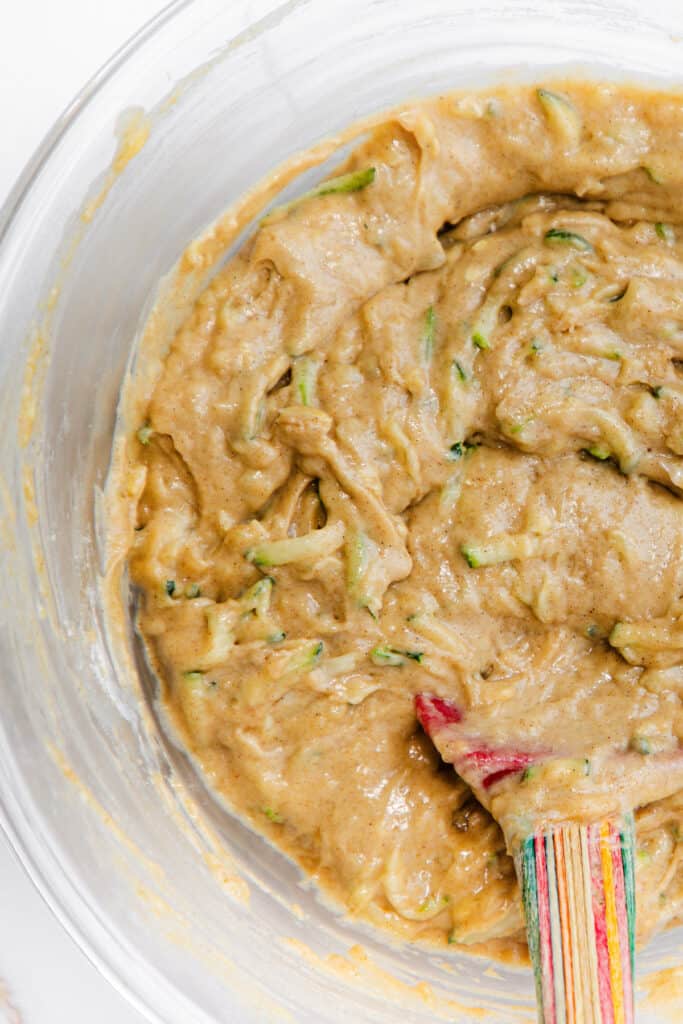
(517, 428)
(257, 596)
(383, 655)
(460, 370)
(502, 548)
(578, 276)
(665, 232)
(561, 115)
(193, 675)
(652, 174)
(470, 556)
(641, 745)
(354, 181)
(313, 545)
(359, 550)
(304, 376)
(598, 451)
(429, 335)
(459, 450)
(306, 658)
(561, 236)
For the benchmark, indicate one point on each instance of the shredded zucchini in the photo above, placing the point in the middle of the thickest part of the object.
(665, 232)
(354, 181)
(445, 638)
(562, 116)
(221, 620)
(144, 433)
(429, 335)
(653, 174)
(385, 655)
(360, 552)
(560, 236)
(504, 548)
(508, 275)
(196, 695)
(517, 428)
(305, 658)
(578, 276)
(342, 185)
(647, 636)
(460, 450)
(304, 378)
(598, 451)
(257, 597)
(308, 548)
(616, 437)
(460, 371)
(273, 816)
(332, 668)
(193, 675)
(641, 745)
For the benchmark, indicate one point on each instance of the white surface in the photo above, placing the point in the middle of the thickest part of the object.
(47, 52)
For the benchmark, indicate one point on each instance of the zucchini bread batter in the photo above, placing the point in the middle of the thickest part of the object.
(424, 434)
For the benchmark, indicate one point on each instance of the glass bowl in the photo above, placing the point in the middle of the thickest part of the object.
(188, 913)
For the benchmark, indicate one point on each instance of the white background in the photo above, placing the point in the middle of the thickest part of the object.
(48, 50)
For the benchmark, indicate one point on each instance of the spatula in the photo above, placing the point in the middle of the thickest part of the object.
(577, 881)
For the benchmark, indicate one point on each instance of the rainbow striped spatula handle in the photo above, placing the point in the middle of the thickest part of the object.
(579, 900)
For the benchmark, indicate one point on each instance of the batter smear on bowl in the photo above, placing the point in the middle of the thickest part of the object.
(423, 435)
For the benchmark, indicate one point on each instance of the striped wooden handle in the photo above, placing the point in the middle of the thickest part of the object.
(579, 900)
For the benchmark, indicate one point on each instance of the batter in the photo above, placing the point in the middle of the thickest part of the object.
(424, 434)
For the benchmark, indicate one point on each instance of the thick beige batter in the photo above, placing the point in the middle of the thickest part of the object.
(425, 433)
